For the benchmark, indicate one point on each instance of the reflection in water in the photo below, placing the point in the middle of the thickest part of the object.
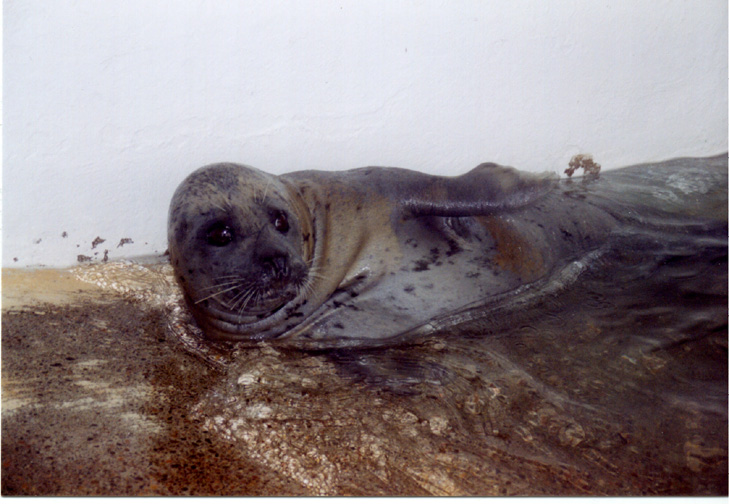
(608, 378)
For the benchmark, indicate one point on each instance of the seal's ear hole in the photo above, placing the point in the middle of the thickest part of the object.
(219, 234)
(281, 221)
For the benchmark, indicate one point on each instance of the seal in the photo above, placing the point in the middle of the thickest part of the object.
(366, 257)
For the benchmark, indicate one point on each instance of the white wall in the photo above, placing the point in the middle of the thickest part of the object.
(108, 105)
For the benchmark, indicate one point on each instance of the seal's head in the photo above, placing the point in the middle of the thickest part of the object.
(240, 243)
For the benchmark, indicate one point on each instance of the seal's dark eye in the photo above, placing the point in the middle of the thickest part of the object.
(219, 235)
(280, 222)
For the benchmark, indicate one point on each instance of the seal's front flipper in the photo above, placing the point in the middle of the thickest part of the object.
(486, 189)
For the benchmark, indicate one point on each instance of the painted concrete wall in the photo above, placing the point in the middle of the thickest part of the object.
(108, 105)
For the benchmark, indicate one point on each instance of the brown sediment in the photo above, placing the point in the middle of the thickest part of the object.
(96, 400)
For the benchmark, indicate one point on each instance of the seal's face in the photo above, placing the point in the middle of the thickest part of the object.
(236, 244)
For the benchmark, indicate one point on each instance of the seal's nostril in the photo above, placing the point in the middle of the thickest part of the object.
(281, 265)
(276, 266)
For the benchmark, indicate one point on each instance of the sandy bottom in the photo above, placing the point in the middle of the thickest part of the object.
(94, 400)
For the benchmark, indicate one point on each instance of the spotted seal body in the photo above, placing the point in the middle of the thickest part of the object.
(368, 256)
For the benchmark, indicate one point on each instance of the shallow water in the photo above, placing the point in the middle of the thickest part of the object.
(604, 388)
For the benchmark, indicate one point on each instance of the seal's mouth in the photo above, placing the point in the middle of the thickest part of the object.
(251, 303)
(246, 301)
(260, 323)
(239, 317)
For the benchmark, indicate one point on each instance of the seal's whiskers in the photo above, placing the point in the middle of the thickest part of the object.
(222, 284)
(223, 288)
(240, 301)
